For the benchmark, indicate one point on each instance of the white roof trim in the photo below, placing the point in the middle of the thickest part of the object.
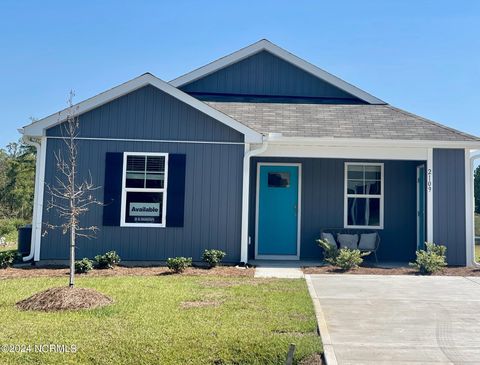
(369, 142)
(265, 45)
(38, 128)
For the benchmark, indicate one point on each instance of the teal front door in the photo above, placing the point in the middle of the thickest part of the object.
(277, 219)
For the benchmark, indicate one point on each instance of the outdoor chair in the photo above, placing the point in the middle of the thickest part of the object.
(336, 231)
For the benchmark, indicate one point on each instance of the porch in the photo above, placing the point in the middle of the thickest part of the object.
(293, 199)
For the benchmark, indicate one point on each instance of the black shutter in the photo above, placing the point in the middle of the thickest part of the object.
(176, 190)
(112, 197)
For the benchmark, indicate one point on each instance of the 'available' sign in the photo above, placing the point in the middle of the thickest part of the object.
(144, 209)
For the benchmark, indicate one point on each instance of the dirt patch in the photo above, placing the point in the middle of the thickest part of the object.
(290, 333)
(200, 304)
(314, 359)
(448, 271)
(31, 271)
(64, 298)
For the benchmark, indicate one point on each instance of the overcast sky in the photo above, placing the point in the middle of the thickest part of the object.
(422, 56)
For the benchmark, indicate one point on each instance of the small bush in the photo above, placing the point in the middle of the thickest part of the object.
(7, 258)
(213, 257)
(430, 260)
(179, 264)
(330, 252)
(83, 266)
(348, 259)
(345, 258)
(107, 261)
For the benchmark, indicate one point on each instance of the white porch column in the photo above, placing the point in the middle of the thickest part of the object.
(246, 197)
(430, 187)
(470, 158)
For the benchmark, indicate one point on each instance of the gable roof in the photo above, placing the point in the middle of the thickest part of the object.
(38, 128)
(374, 122)
(265, 45)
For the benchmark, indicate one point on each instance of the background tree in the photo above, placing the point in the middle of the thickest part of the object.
(476, 185)
(17, 181)
(71, 195)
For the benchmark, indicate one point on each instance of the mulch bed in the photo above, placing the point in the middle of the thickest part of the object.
(64, 298)
(448, 271)
(30, 272)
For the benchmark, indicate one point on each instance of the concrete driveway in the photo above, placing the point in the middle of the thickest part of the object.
(370, 319)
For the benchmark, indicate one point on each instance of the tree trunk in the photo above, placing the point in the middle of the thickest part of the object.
(72, 256)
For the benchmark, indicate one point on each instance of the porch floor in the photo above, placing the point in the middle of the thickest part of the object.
(307, 263)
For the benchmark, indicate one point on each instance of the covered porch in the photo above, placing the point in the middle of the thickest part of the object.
(296, 192)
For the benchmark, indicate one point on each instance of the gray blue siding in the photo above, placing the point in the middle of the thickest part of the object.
(264, 74)
(213, 179)
(323, 205)
(149, 113)
(449, 203)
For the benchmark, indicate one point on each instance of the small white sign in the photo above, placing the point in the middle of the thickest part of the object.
(144, 209)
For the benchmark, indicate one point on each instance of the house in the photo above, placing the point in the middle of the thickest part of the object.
(255, 154)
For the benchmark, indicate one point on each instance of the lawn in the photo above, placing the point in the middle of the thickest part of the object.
(167, 319)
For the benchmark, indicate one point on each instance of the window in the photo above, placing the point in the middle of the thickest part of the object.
(144, 189)
(363, 195)
(278, 179)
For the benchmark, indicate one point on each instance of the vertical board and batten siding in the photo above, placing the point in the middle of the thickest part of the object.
(213, 179)
(449, 219)
(265, 74)
(323, 205)
(149, 113)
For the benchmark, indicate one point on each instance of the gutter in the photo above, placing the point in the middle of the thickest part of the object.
(38, 147)
(245, 241)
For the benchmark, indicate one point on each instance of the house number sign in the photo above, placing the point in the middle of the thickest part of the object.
(429, 180)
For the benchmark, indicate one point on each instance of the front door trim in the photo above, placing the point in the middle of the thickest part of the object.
(299, 212)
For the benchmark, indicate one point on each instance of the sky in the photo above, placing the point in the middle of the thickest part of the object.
(419, 55)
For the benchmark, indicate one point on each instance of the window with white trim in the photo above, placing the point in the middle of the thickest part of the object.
(144, 189)
(363, 195)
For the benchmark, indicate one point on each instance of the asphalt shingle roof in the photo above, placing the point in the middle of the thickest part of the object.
(338, 121)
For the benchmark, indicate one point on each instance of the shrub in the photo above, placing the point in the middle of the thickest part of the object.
(213, 257)
(348, 259)
(430, 260)
(83, 266)
(7, 258)
(107, 261)
(330, 252)
(179, 264)
(345, 258)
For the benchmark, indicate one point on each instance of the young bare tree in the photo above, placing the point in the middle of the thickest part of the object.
(71, 195)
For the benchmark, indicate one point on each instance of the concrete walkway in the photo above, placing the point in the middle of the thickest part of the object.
(279, 269)
(370, 319)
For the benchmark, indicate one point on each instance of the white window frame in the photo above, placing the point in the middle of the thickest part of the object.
(145, 190)
(346, 195)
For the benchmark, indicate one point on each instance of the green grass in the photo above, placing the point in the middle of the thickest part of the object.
(255, 323)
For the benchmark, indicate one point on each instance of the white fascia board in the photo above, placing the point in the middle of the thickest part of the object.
(38, 128)
(265, 45)
(345, 152)
(387, 143)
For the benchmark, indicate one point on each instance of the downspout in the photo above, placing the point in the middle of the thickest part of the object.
(38, 147)
(246, 197)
